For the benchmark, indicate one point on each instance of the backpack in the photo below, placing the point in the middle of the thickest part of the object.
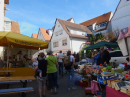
(67, 62)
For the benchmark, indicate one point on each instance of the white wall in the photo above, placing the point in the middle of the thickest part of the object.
(76, 43)
(72, 31)
(121, 18)
(59, 38)
(1, 15)
(5, 29)
(40, 36)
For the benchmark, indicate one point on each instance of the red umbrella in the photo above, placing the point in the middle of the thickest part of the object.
(55, 53)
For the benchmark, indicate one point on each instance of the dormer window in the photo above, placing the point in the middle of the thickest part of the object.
(103, 24)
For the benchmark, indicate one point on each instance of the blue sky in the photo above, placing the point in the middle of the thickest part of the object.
(35, 14)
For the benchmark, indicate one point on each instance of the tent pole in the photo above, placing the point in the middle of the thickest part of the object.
(8, 57)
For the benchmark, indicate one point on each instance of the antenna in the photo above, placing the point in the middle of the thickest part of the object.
(17, 19)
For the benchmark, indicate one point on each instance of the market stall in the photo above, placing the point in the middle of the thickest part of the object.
(102, 43)
(11, 40)
(100, 78)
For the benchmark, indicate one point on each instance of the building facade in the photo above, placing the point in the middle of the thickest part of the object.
(68, 36)
(121, 17)
(98, 24)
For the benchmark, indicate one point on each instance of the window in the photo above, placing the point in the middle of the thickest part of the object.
(58, 25)
(55, 44)
(83, 33)
(116, 54)
(7, 25)
(56, 33)
(64, 42)
(103, 24)
(61, 32)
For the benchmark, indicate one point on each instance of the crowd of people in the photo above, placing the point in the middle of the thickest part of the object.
(101, 56)
(49, 68)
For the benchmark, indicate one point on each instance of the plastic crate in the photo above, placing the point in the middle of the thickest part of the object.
(83, 84)
(103, 79)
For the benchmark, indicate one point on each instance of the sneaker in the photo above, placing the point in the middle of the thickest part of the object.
(41, 78)
(55, 92)
(74, 88)
(69, 89)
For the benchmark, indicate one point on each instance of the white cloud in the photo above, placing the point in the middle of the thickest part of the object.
(27, 28)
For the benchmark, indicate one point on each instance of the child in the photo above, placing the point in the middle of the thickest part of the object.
(37, 70)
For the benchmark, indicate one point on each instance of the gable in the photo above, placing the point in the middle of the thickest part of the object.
(40, 35)
(121, 10)
(57, 30)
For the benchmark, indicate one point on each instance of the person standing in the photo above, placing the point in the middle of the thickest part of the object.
(60, 58)
(69, 62)
(105, 56)
(97, 57)
(52, 71)
(77, 57)
(42, 65)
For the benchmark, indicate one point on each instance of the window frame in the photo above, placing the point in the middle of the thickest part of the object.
(61, 32)
(55, 44)
(64, 42)
(56, 34)
(7, 26)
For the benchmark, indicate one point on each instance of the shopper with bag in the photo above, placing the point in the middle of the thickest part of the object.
(69, 62)
(52, 71)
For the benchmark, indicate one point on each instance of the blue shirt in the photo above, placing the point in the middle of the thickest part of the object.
(97, 57)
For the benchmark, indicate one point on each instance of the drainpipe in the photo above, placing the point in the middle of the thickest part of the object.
(71, 45)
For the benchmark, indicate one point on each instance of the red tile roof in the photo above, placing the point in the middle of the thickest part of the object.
(100, 19)
(46, 36)
(34, 35)
(15, 27)
(6, 1)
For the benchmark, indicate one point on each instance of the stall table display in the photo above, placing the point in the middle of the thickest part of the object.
(110, 92)
(7, 71)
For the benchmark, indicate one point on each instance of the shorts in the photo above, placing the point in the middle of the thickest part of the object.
(38, 70)
(41, 83)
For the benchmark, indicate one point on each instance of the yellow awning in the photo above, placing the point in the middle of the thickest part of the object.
(21, 41)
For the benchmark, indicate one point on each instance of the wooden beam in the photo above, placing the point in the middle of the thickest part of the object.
(6, 1)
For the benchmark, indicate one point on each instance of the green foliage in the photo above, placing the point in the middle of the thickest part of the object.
(89, 53)
(93, 38)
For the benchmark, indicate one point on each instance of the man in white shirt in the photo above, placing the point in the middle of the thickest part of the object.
(60, 58)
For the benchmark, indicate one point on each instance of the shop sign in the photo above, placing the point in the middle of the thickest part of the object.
(27, 43)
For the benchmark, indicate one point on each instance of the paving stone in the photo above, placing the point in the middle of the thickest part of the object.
(62, 90)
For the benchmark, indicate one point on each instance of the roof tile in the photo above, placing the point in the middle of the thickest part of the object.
(66, 24)
(47, 37)
(34, 35)
(15, 27)
(97, 20)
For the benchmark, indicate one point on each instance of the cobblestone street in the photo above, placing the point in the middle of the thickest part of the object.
(62, 90)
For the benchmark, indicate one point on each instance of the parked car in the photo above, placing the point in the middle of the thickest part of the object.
(118, 58)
